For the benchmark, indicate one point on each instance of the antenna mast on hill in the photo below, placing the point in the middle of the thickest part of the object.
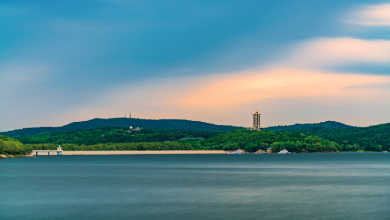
(125, 114)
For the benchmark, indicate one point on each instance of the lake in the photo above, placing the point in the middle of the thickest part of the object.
(189, 187)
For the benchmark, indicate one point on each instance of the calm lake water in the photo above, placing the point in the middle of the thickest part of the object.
(187, 187)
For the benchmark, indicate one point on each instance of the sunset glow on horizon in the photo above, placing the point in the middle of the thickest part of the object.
(208, 61)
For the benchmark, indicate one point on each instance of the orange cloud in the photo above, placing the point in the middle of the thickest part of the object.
(323, 52)
(272, 83)
(282, 91)
(372, 15)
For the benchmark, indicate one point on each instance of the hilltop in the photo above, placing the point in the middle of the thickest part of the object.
(372, 138)
(123, 123)
(326, 124)
(350, 138)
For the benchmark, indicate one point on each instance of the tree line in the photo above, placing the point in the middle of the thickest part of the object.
(140, 146)
(115, 135)
(11, 146)
(252, 141)
(372, 138)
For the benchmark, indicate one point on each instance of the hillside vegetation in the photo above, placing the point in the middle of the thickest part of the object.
(372, 138)
(326, 124)
(252, 141)
(120, 139)
(123, 123)
(299, 139)
(113, 146)
(10, 146)
(115, 135)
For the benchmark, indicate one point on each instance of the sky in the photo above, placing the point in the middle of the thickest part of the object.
(301, 61)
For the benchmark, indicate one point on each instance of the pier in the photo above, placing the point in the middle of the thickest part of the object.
(47, 152)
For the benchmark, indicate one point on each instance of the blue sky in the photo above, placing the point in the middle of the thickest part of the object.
(65, 61)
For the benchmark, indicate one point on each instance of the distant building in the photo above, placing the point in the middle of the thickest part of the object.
(269, 150)
(261, 151)
(256, 121)
(133, 129)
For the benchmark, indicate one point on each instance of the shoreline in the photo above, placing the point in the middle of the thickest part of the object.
(141, 152)
(162, 152)
(44, 153)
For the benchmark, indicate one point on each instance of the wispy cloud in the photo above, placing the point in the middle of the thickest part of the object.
(106, 43)
(330, 52)
(300, 75)
(275, 83)
(15, 77)
(371, 15)
(381, 85)
(18, 74)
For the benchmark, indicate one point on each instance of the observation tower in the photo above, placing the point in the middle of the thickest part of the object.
(256, 121)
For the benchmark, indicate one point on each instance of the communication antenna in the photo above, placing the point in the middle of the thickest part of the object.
(125, 114)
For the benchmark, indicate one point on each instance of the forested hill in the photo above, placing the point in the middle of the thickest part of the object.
(372, 138)
(162, 139)
(252, 141)
(115, 135)
(122, 122)
(326, 124)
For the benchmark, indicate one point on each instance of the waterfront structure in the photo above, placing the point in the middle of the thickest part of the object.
(59, 150)
(126, 152)
(48, 152)
(45, 153)
(256, 121)
(235, 152)
(261, 151)
(284, 151)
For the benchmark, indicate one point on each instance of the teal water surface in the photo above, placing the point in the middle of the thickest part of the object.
(189, 187)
